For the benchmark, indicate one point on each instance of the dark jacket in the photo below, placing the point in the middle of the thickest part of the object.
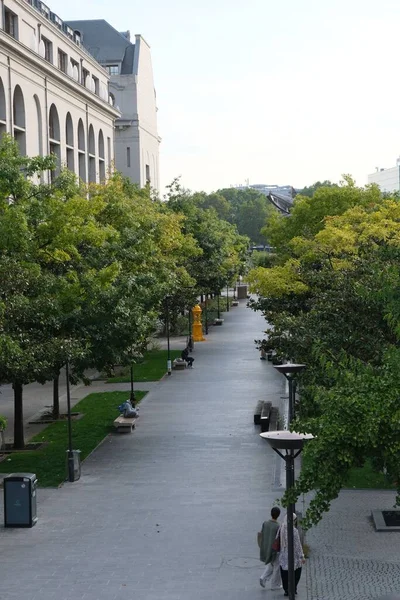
(268, 535)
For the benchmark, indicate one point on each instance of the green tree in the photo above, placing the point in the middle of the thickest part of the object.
(311, 189)
(333, 304)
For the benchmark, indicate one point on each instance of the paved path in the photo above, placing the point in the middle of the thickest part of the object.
(170, 512)
(349, 559)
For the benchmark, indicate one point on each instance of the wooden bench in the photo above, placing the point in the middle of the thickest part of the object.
(179, 364)
(265, 416)
(218, 321)
(125, 424)
(257, 412)
(235, 303)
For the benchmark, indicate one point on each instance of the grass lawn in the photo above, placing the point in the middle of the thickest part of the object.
(153, 367)
(49, 463)
(366, 478)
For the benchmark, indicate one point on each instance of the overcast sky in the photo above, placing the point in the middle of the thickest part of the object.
(270, 91)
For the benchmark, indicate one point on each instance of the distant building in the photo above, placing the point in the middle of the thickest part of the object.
(281, 196)
(132, 91)
(53, 94)
(387, 179)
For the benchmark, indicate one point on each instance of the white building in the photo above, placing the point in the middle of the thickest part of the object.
(132, 89)
(387, 179)
(53, 94)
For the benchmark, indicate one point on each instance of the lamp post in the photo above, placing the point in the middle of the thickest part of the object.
(70, 450)
(227, 298)
(206, 314)
(132, 396)
(190, 338)
(169, 364)
(218, 310)
(290, 370)
(291, 444)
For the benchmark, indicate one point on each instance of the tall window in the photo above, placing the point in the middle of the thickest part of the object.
(75, 69)
(128, 157)
(81, 151)
(148, 180)
(39, 127)
(102, 164)
(55, 141)
(95, 85)
(109, 157)
(3, 114)
(48, 50)
(10, 23)
(112, 69)
(92, 156)
(85, 75)
(69, 139)
(62, 61)
(19, 129)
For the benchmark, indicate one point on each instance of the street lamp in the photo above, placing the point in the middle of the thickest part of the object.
(206, 314)
(292, 444)
(290, 370)
(218, 310)
(227, 298)
(132, 396)
(169, 364)
(70, 450)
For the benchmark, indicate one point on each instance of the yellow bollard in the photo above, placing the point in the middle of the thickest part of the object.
(197, 327)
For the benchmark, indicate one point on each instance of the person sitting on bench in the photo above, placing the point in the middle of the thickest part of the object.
(185, 356)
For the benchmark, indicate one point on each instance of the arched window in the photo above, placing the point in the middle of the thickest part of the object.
(38, 136)
(102, 163)
(111, 99)
(92, 156)
(19, 130)
(3, 112)
(54, 138)
(81, 151)
(69, 139)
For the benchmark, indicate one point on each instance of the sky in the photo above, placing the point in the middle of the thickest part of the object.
(267, 91)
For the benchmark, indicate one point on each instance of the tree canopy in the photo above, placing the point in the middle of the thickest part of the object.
(332, 302)
(85, 270)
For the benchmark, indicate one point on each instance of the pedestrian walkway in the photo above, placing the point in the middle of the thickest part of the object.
(349, 559)
(172, 511)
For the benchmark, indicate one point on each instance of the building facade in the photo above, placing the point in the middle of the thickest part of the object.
(132, 91)
(53, 95)
(387, 179)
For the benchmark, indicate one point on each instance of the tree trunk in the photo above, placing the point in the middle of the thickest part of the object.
(19, 442)
(56, 397)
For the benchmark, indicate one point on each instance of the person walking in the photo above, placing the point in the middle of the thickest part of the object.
(299, 559)
(270, 557)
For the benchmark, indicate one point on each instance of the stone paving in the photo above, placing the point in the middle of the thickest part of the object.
(171, 512)
(349, 560)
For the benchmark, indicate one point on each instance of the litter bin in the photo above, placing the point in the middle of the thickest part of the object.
(241, 291)
(76, 454)
(20, 500)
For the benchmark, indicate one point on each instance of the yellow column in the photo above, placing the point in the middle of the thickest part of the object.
(197, 328)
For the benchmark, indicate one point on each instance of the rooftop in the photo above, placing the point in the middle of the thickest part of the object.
(106, 44)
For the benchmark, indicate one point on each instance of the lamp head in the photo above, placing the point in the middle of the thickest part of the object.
(290, 368)
(286, 440)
